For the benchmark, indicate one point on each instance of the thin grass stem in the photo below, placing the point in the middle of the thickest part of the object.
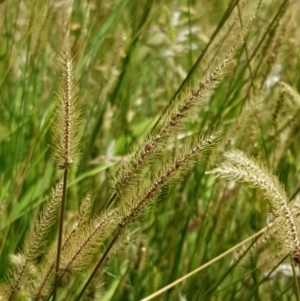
(60, 233)
(101, 261)
(204, 266)
(296, 286)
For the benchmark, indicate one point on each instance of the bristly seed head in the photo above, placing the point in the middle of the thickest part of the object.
(66, 122)
(240, 167)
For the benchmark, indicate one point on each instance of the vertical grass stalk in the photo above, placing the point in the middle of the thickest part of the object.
(296, 288)
(60, 233)
(66, 141)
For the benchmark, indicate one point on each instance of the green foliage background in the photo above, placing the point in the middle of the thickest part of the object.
(131, 58)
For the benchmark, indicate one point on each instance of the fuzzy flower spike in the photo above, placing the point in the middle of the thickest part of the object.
(66, 123)
(240, 167)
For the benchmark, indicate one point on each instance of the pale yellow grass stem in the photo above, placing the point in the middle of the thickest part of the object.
(164, 289)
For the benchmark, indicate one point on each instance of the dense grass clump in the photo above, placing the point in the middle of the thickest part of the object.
(149, 149)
